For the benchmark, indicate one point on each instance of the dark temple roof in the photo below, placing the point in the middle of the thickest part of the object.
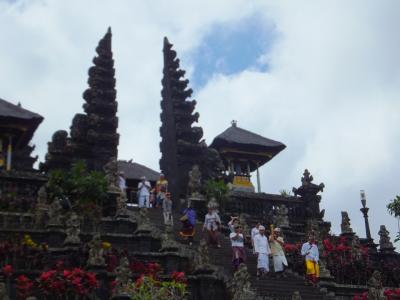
(241, 137)
(134, 170)
(21, 121)
(10, 110)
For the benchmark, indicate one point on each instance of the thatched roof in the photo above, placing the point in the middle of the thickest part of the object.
(135, 171)
(9, 110)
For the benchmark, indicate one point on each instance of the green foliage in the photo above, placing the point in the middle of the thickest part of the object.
(85, 190)
(149, 288)
(285, 193)
(394, 209)
(217, 189)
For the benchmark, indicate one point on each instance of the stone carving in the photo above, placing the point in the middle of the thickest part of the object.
(240, 285)
(3, 291)
(194, 181)
(296, 295)
(144, 225)
(96, 252)
(202, 258)
(111, 170)
(384, 239)
(307, 178)
(281, 218)
(375, 290)
(55, 213)
(73, 230)
(41, 208)
(345, 226)
(122, 210)
(168, 242)
(123, 276)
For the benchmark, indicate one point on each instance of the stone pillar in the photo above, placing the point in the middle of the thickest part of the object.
(9, 153)
(258, 181)
(365, 210)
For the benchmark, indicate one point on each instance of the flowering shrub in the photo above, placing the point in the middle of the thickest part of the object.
(23, 255)
(391, 294)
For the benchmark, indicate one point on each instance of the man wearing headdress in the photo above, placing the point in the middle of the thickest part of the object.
(278, 254)
(310, 251)
(262, 250)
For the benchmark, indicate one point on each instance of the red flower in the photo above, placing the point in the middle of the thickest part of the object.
(179, 277)
(24, 286)
(92, 280)
(139, 281)
(8, 270)
(48, 275)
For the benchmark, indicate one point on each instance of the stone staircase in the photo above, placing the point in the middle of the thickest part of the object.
(268, 287)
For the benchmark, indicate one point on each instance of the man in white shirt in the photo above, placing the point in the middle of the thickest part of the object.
(254, 232)
(122, 181)
(238, 251)
(310, 251)
(262, 250)
(144, 188)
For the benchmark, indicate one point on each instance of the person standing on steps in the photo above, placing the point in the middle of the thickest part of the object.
(144, 188)
(262, 250)
(278, 255)
(238, 251)
(212, 223)
(310, 251)
(188, 224)
(167, 210)
(254, 232)
(161, 189)
(232, 223)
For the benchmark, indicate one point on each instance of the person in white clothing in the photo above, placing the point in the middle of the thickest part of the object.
(254, 232)
(122, 181)
(144, 188)
(212, 223)
(238, 251)
(262, 250)
(310, 251)
(278, 254)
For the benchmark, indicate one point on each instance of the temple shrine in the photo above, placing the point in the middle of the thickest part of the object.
(242, 153)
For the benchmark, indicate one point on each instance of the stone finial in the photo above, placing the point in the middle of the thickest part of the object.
(194, 181)
(346, 226)
(307, 178)
(375, 289)
(281, 218)
(240, 285)
(112, 177)
(307, 186)
(384, 239)
(41, 208)
(96, 252)
(73, 230)
(123, 276)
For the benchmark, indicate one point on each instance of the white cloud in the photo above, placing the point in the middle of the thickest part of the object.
(331, 93)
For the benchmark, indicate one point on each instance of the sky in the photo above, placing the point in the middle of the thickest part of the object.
(321, 77)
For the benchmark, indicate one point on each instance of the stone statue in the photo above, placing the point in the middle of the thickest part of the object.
(112, 176)
(96, 252)
(41, 208)
(73, 230)
(144, 224)
(240, 286)
(194, 181)
(3, 291)
(281, 216)
(55, 210)
(123, 276)
(345, 226)
(356, 248)
(375, 290)
(384, 239)
(122, 209)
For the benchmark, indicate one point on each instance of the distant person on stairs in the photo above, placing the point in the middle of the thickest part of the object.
(161, 189)
(167, 210)
(254, 232)
(212, 222)
(278, 255)
(262, 250)
(144, 188)
(238, 250)
(310, 251)
(232, 223)
(188, 224)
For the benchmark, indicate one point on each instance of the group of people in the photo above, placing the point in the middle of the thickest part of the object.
(263, 246)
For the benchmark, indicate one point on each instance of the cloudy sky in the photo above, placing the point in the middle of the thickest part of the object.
(322, 77)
